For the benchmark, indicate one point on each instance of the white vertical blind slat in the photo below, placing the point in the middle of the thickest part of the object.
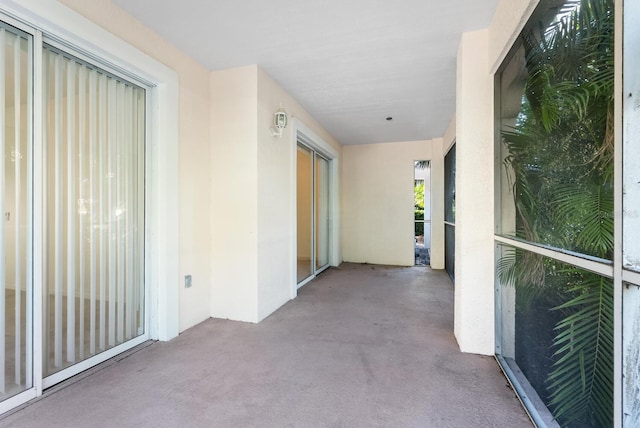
(17, 215)
(57, 227)
(119, 214)
(29, 223)
(81, 205)
(71, 218)
(103, 213)
(111, 205)
(128, 238)
(91, 206)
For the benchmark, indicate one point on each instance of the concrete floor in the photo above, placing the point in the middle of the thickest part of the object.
(361, 346)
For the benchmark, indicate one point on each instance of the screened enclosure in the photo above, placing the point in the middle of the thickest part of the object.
(555, 241)
(450, 211)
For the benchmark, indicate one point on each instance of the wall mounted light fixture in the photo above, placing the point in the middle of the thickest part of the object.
(280, 120)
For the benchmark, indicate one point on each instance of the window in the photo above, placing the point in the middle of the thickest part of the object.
(555, 228)
(450, 212)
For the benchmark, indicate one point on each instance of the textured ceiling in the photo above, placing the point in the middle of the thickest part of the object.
(350, 63)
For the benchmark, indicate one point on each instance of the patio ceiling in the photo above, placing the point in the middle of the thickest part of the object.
(351, 64)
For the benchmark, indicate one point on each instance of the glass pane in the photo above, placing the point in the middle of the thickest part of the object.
(322, 212)
(556, 324)
(16, 286)
(450, 212)
(450, 250)
(556, 106)
(94, 184)
(304, 212)
(450, 185)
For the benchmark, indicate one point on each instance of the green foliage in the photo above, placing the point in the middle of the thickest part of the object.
(418, 194)
(582, 377)
(419, 226)
(560, 162)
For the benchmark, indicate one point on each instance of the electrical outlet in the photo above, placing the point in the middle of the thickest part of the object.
(187, 281)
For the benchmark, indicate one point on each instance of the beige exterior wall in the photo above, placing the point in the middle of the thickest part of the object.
(276, 194)
(234, 194)
(437, 204)
(449, 138)
(378, 200)
(194, 127)
(253, 194)
(474, 306)
(480, 54)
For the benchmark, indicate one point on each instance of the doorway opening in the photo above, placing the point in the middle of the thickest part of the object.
(422, 212)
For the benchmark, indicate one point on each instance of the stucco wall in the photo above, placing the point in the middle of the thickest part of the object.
(437, 204)
(253, 184)
(194, 135)
(479, 55)
(378, 200)
(276, 194)
(474, 306)
(234, 194)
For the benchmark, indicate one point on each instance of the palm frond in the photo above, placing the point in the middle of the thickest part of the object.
(586, 211)
(581, 382)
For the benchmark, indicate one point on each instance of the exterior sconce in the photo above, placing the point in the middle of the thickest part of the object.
(279, 122)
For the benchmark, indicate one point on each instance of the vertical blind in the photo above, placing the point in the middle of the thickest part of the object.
(15, 230)
(94, 203)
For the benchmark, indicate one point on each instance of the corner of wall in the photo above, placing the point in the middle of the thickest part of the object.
(474, 300)
(437, 204)
(508, 21)
(449, 136)
(479, 56)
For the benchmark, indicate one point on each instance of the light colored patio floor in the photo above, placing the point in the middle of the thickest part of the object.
(361, 346)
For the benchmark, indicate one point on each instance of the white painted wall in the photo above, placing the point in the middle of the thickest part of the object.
(474, 301)
(276, 258)
(276, 194)
(234, 194)
(253, 183)
(378, 200)
(437, 204)
(480, 53)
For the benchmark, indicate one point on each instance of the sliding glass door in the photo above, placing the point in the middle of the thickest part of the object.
(16, 292)
(94, 210)
(312, 213)
(304, 213)
(81, 211)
